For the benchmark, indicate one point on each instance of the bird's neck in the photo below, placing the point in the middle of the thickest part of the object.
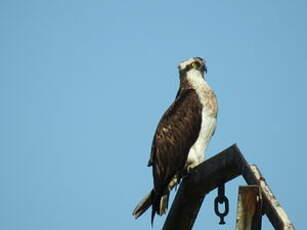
(196, 79)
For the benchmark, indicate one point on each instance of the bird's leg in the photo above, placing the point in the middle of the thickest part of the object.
(173, 182)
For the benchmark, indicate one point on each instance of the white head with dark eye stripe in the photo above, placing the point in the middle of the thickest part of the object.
(196, 64)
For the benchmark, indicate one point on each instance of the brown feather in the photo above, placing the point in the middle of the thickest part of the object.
(177, 131)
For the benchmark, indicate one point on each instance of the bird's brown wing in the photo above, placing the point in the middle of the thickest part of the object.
(177, 131)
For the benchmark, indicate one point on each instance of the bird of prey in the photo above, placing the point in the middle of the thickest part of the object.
(182, 135)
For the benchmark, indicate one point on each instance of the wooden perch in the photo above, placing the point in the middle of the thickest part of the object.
(249, 208)
(207, 176)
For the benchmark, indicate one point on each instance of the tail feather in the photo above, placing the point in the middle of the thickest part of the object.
(143, 205)
(163, 204)
(159, 205)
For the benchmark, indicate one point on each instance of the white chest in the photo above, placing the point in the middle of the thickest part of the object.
(209, 114)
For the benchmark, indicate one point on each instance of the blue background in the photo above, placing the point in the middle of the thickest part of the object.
(83, 85)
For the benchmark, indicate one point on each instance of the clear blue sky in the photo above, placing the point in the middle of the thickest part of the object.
(84, 83)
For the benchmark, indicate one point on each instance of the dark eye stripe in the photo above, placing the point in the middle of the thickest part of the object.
(190, 66)
(197, 64)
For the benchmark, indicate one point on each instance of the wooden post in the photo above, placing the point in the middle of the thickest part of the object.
(271, 206)
(249, 208)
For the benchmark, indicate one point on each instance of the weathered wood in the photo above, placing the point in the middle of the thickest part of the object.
(249, 208)
(207, 176)
(272, 207)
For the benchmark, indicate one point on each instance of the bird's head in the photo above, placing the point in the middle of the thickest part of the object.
(192, 64)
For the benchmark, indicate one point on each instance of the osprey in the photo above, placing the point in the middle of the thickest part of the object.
(182, 135)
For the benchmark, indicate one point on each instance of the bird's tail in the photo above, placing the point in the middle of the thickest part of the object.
(159, 205)
(143, 205)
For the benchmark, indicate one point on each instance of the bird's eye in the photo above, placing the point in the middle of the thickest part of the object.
(195, 64)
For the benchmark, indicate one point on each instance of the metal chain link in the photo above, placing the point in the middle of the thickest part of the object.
(221, 199)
